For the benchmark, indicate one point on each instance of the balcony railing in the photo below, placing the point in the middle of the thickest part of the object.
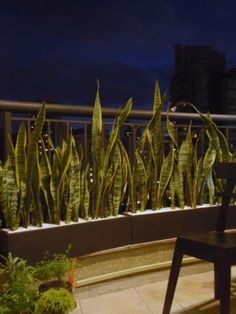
(61, 117)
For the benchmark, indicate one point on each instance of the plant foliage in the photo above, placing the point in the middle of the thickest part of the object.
(55, 301)
(168, 167)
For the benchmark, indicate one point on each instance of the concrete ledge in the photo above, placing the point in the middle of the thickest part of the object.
(126, 261)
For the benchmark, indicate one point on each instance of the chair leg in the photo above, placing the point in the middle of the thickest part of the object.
(173, 277)
(216, 282)
(224, 279)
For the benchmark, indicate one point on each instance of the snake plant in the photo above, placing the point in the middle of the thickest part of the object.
(37, 187)
(18, 173)
(150, 157)
(192, 178)
(106, 163)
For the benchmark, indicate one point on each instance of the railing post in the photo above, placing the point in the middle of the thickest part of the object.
(86, 153)
(7, 131)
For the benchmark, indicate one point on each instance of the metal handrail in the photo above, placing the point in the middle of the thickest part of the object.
(83, 114)
(68, 110)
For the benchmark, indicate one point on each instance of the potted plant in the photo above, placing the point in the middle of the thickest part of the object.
(56, 270)
(55, 301)
(18, 291)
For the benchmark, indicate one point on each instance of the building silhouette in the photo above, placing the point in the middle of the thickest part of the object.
(229, 91)
(198, 77)
(229, 100)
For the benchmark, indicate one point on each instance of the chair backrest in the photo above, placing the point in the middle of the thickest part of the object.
(227, 171)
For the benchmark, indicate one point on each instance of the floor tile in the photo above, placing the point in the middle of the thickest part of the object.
(136, 281)
(144, 294)
(126, 301)
(194, 289)
(153, 295)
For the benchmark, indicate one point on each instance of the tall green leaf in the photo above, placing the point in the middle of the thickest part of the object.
(97, 150)
(157, 102)
(101, 172)
(185, 158)
(117, 186)
(171, 130)
(211, 187)
(36, 189)
(208, 162)
(131, 202)
(46, 174)
(74, 186)
(165, 175)
(31, 155)
(85, 193)
(20, 154)
(197, 181)
(60, 188)
(141, 181)
(10, 191)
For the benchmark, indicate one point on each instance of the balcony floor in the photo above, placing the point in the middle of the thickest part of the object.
(144, 294)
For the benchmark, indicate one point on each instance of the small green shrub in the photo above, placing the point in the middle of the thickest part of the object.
(55, 301)
(19, 291)
(4, 309)
(54, 267)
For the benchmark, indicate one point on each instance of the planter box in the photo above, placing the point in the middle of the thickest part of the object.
(163, 224)
(85, 237)
(102, 234)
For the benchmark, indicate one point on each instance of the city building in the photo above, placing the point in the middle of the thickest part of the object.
(198, 77)
(229, 91)
(229, 100)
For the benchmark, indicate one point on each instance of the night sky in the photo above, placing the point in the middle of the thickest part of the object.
(55, 50)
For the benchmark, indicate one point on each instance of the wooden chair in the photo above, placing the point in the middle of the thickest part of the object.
(218, 247)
